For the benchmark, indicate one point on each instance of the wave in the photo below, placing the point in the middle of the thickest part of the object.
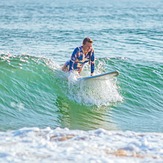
(36, 87)
(35, 92)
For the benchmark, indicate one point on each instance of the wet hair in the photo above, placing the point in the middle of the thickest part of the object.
(87, 39)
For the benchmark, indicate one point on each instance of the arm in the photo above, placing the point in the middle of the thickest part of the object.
(92, 59)
(73, 58)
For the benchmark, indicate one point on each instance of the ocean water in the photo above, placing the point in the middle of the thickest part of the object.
(38, 102)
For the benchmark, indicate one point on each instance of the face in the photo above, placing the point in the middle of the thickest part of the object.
(87, 46)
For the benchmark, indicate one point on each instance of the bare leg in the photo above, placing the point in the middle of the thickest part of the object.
(80, 69)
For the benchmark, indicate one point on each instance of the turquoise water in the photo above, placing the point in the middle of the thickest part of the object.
(38, 37)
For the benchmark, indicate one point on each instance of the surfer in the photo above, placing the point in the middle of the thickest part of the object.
(80, 56)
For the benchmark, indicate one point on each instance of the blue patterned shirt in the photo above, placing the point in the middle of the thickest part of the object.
(78, 59)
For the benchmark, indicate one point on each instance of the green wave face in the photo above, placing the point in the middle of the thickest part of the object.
(35, 92)
(141, 85)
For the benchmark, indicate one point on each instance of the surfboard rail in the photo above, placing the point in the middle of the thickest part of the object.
(104, 76)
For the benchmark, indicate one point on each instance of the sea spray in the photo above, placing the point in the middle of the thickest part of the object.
(93, 92)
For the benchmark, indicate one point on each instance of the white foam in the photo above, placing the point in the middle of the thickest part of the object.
(64, 145)
(98, 92)
(72, 77)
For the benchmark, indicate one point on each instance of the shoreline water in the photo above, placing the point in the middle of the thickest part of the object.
(64, 145)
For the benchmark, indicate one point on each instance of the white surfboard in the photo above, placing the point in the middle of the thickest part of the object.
(104, 76)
